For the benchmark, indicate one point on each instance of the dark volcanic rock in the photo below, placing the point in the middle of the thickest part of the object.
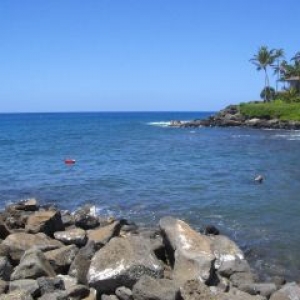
(4, 231)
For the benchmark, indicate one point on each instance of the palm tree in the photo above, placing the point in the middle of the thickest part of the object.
(262, 60)
(279, 53)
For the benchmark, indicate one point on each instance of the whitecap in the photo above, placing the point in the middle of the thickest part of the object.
(160, 123)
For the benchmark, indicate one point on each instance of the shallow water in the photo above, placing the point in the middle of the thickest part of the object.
(132, 165)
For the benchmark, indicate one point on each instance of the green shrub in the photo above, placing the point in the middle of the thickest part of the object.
(269, 110)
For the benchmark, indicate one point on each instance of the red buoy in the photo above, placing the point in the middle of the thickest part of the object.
(69, 161)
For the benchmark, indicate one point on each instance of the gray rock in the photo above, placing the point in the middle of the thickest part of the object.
(253, 122)
(109, 297)
(33, 264)
(61, 259)
(196, 290)
(189, 252)
(57, 295)
(5, 268)
(229, 267)
(75, 236)
(123, 293)
(29, 285)
(85, 218)
(92, 295)
(235, 294)
(290, 291)
(16, 295)
(103, 234)
(122, 262)
(49, 285)
(18, 243)
(264, 289)
(80, 266)
(68, 280)
(3, 286)
(238, 279)
(44, 221)
(148, 288)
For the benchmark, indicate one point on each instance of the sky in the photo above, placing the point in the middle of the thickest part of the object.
(138, 55)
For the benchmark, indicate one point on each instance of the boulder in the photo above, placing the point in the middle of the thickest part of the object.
(189, 252)
(47, 221)
(28, 205)
(86, 218)
(290, 291)
(49, 285)
(196, 290)
(122, 262)
(92, 295)
(148, 288)
(229, 267)
(80, 266)
(264, 289)
(235, 294)
(123, 293)
(68, 281)
(240, 278)
(109, 297)
(253, 122)
(56, 295)
(29, 285)
(61, 259)
(5, 268)
(75, 236)
(33, 264)
(103, 234)
(16, 295)
(18, 243)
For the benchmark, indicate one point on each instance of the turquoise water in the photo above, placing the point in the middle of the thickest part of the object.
(131, 165)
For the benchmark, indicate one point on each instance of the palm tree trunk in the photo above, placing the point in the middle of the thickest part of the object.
(266, 81)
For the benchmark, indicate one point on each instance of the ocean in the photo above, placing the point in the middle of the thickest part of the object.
(132, 165)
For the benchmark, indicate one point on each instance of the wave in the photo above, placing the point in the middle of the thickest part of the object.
(160, 123)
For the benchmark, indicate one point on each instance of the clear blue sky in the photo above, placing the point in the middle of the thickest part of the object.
(107, 55)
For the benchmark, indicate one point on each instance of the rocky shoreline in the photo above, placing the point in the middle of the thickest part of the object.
(231, 117)
(46, 254)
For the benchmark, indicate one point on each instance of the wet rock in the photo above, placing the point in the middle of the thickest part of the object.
(196, 290)
(49, 285)
(33, 264)
(290, 291)
(80, 265)
(85, 218)
(5, 269)
(148, 288)
(44, 221)
(264, 289)
(18, 243)
(122, 262)
(103, 234)
(189, 252)
(61, 259)
(123, 293)
(29, 285)
(16, 295)
(28, 205)
(211, 230)
(75, 236)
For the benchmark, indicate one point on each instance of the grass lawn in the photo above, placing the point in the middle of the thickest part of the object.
(271, 110)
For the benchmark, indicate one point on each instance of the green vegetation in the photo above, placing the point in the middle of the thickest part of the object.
(284, 103)
(276, 109)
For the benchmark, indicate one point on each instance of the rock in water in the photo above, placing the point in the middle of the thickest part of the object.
(122, 262)
(189, 252)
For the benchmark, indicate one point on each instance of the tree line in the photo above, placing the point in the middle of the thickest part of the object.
(285, 71)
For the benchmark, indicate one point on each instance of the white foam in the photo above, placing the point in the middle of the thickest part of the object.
(160, 123)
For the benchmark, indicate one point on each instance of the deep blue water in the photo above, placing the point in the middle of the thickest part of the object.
(129, 166)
